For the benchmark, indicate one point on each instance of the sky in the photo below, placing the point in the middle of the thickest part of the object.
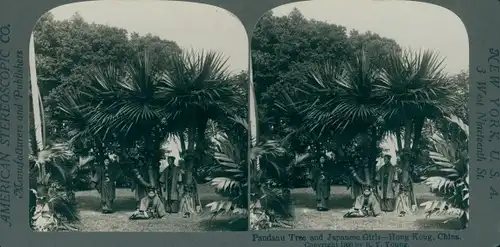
(214, 29)
(410, 24)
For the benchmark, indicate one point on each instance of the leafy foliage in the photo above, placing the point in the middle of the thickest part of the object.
(230, 180)
(53, 172)
(449, 175)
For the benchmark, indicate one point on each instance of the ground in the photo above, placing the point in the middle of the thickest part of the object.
(307, 218)
(92, 220)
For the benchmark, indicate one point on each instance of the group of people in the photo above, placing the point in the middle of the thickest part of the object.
(372, 201)
(151, 202)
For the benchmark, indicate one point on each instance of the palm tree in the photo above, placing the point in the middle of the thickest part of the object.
(74, 109)
(123, 104)
(196, 89)
(449, 175)
(412, 90)
(341, 103)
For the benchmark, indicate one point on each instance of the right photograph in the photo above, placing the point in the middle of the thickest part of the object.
(359, 117)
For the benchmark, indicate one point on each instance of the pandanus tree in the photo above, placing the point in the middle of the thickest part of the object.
(342, 100)
(73, 110)
(412, 90)
(197, 88)
(127, 106)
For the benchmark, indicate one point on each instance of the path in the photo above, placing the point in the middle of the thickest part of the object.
(92, 220)
(307, 218)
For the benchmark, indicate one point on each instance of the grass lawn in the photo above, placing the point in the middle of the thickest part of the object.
(307, 218)
(92, 220)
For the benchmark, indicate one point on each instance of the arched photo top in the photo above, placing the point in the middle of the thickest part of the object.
(414, 25)
(141, 95)
(381, 85)
(190, 25)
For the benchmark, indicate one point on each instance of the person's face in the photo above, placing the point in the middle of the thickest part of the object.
(367, 192)
(106, 162)
(322, 160)
(151, 194)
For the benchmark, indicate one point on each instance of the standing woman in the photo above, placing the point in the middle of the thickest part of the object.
(387, 180)
(171, 181)
(104, 184)
(320, 182)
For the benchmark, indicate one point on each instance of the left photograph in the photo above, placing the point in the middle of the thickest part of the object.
(138, 118)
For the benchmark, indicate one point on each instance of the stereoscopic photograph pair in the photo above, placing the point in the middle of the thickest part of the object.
(146, 117)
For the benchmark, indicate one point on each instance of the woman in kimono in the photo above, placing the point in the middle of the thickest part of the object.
(320, 182)
(366, 205)
(387, 181)
(150, 207)
(104, 182)
(171, 181)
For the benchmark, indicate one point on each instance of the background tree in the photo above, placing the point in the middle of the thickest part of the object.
(284, 50)
(67, 49)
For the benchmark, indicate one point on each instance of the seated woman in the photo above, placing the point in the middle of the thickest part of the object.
(150, 207)
(366, 205)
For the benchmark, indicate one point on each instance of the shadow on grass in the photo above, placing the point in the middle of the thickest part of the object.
(224, 224)
(341, 198)
(90, 200)
(430, 223)
(307, 217)
(308, 200)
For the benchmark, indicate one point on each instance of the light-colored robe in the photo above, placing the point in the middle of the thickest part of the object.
(373, 206)
(154, 207)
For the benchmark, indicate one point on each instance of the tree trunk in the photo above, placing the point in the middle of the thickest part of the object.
(182, 141)
(404, 199)
(189, 201)
(416, 143)
(398, 140)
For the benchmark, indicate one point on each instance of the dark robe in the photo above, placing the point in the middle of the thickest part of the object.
(321, 186)
(105, 184)
(365, 206)
(388, 181)
(150, 208)
(170, 180)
